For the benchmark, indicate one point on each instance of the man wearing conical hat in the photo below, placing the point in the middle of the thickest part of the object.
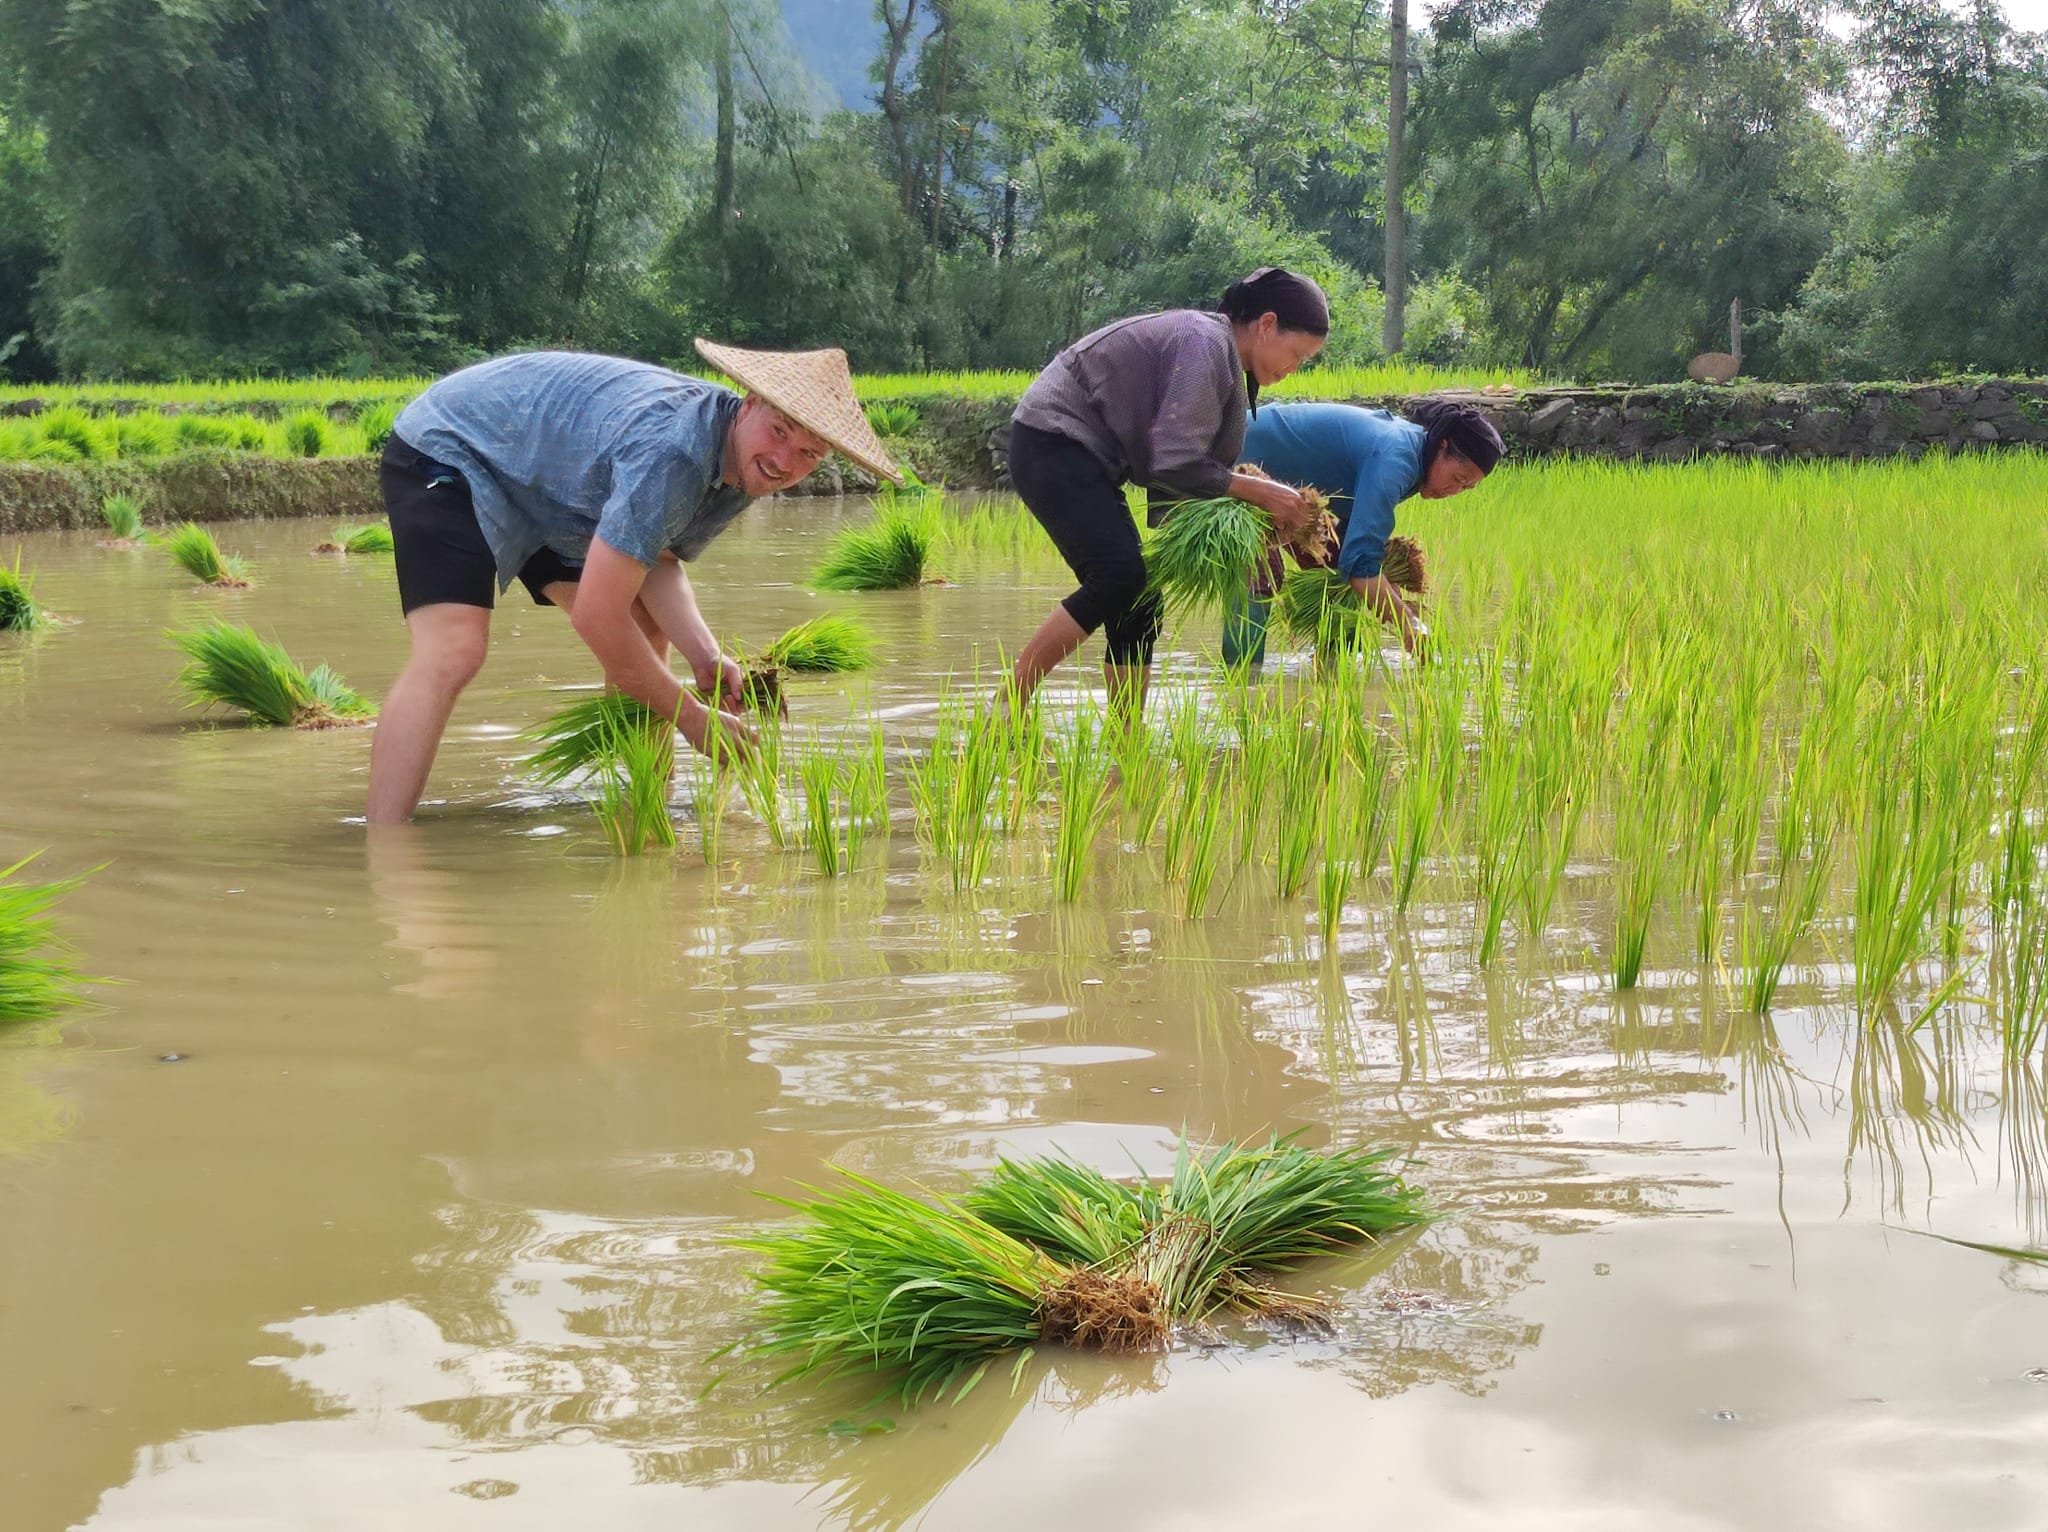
(591, 480)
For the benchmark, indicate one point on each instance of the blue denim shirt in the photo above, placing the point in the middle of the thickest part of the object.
(558, 447)
(1365, 461)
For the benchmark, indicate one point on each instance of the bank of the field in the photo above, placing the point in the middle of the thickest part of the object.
(958, 439)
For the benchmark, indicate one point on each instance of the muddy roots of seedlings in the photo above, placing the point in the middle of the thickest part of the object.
(1113, 1312)
(761, 689)
(1404, 565)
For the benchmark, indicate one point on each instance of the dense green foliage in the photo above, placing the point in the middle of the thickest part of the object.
(208, 187)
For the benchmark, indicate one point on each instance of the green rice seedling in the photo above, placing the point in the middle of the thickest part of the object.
(1318, 607)
(228, 665)
(952, 790)
(38, 976)
(306, 434)
(1647, 802)
(1205, 804)
(249, 433)
(19, 612)
(630, 784)
(1203, 554)
(1082, 779)
(202, 433)
(1425, 793)
(1024, 766)
(931, 1293)
(826, 645)
(1301, 772)
(1502, 831)
(824, 782)
(581, 736)
(123, 518)
(52, 452)
(375, 538)
(1144, 774)
(867, 793)
(760, 773)
(193, 549)
(898, 419)
(873, 1280)
(1342, 833)
(890, 553)
(85, 437)
(376, 421)
(144, 436)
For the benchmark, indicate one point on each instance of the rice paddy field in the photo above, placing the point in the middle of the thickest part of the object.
(1679, 930)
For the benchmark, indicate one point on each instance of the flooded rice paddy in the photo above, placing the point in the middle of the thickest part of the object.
(392, 1183)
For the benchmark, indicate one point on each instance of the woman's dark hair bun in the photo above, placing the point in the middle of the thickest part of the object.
(1293, 299)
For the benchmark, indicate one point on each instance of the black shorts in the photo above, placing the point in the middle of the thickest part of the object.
(1082, 509)
(438, 547)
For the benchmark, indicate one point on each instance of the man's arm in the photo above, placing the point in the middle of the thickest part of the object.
(672, 602)
(603, 619)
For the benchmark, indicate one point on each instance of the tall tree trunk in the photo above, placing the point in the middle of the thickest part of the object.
(945, 11)
(893, 111)
(1393, 329)
(721, 157)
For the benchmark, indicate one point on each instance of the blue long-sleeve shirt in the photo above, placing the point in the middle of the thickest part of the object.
(1365, 462)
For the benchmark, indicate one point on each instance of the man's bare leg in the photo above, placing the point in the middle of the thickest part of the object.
(449, 642)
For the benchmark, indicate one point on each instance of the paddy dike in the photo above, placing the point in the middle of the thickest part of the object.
(962, 443)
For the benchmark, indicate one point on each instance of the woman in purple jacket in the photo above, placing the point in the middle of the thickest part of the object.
(1159, 400)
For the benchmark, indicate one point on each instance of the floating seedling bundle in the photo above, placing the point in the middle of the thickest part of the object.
(1050, 1251)
(375, 538)
(229, 665)
(194, 550)
(889, 553)
(37, 975)
(18, 610)
(124, 521)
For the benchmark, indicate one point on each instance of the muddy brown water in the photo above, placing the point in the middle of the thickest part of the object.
(425, 1224)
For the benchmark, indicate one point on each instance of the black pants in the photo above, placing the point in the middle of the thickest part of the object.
(438, 547)
(1082, 509)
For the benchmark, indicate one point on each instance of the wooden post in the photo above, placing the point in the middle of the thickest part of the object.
(1393, 328)
(1735, 329)
(722, 142)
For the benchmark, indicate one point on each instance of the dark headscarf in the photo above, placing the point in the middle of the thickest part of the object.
(1462, 428)
(1291, 298)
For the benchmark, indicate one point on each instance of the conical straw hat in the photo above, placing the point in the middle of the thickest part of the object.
(813, 388)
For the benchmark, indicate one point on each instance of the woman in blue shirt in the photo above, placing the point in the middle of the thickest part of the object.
(1365, 462)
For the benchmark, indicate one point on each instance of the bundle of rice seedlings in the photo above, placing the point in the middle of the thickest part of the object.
(18, 610)
(887, 554)
(1205, 552)
(583, 736)
(53, 450)
(377, 421)
(1404, 565)
(76, 430)
(227, 664)
(37, 975)
(1052, 1251)
(1319, 607)
(200, 432)
(826, 645)
(895, 419)
(306, 433)
(123, 518)
(194, 550)
(143, 436)
(375, 538)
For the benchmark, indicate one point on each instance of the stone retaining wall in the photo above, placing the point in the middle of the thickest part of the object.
(961, 443)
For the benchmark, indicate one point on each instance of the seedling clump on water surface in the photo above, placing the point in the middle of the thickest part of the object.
(1052, 1252)
(889, 553)
(375, 538)
(227, 664)
(123, 518)
(194, 550)
(18, 610)
(37, 975)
